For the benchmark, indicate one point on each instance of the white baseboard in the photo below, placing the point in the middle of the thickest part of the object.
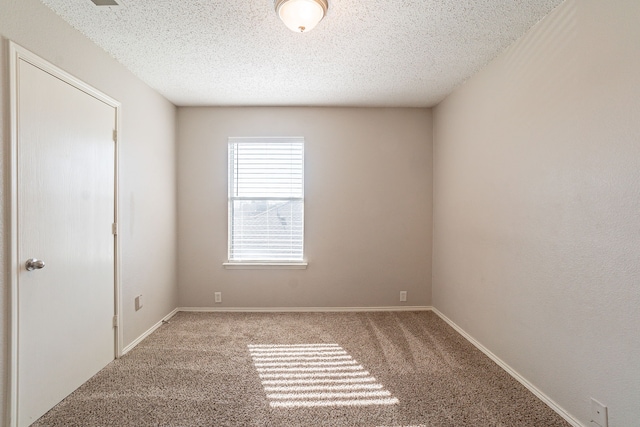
(533, 389)
(137, 341)
(149, 331)
(301, 309)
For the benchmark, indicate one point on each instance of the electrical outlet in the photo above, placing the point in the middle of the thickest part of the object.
(403, 296)
(218, 297)
(138, 302)
(599, 413)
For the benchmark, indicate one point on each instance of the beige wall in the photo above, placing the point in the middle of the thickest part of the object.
(537, 207)
(367, 207)
(147, 174)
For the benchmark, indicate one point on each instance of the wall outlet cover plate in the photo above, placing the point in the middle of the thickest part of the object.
(599, 413)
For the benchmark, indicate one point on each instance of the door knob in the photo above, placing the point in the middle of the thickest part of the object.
(34, 264)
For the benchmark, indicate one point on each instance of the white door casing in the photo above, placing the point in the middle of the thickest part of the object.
(63, 205)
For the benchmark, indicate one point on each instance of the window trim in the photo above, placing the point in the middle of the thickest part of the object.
(251, 265)
(263, 264)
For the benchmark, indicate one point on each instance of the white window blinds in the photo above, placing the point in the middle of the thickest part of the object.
(266, 199)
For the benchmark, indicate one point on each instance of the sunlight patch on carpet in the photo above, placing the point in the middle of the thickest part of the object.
(315, 375)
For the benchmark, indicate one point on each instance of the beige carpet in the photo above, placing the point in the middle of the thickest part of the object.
(303, 369)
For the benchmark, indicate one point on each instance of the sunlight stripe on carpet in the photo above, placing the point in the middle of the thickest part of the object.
(315, 375)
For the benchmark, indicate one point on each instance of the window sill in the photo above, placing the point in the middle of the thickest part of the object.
(265, 265)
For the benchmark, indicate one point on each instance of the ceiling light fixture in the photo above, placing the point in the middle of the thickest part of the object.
(301, 15)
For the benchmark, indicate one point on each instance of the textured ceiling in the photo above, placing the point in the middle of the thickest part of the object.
(364, 53)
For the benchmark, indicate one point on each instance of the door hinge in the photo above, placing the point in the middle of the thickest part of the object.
(115, 135)
(114, 229)
(115, 321)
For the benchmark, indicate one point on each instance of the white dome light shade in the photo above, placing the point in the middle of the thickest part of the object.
(301, 15)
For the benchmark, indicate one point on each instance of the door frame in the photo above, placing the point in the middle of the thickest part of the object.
(16, 54)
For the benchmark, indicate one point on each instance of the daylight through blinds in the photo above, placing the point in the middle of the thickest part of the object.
(266, 199)
(315, 375)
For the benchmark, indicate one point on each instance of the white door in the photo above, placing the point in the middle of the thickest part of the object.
(65, 210)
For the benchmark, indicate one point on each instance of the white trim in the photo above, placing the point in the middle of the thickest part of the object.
(44, 65)
(533, 389)
(265, 265)
(12, 412)
(16, 54)
(138, 340)
(118, 240)
(295, 264)
(301, 309)
(149, 331)
(263, 139)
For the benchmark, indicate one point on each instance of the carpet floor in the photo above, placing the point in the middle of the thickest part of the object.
(387, 369)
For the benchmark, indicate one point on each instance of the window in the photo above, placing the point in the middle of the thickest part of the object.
(266, 201)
